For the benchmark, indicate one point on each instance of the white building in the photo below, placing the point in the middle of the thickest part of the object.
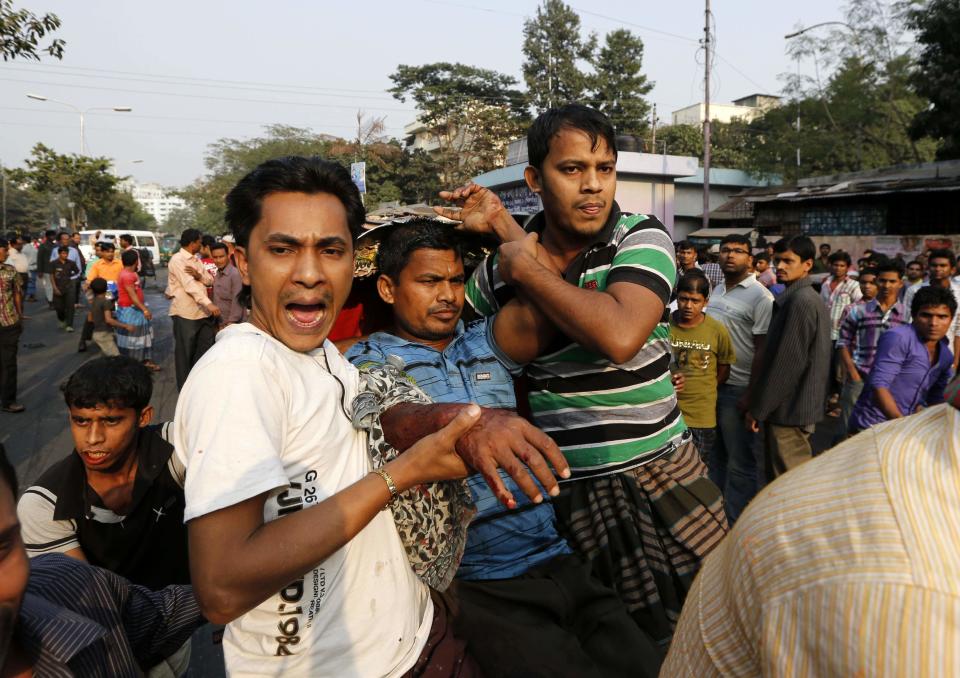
(154, 198)
(746, 108)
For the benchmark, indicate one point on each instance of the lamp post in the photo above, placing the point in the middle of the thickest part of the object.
(81, 112)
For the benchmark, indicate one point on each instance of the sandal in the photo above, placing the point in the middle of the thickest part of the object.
(13, 408)
(152, 366)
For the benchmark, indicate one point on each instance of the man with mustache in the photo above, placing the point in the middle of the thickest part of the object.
(526, 604)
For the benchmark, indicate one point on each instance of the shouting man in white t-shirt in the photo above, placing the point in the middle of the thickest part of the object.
(289, 543)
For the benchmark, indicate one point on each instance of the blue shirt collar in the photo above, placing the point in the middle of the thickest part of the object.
(387, 339)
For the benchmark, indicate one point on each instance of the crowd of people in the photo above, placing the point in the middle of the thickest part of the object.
(547, 466)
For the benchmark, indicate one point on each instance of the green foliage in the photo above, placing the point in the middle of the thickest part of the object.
(392, 172)
(21, 32)
(936, 75)
(472, 114)
(178, 221)
(618, 85)
(85, 181)
(553, 49)
(29, 211)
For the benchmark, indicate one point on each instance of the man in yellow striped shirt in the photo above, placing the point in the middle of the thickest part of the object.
(849, 565)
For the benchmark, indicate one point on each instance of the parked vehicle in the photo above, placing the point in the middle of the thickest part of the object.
(141, 240)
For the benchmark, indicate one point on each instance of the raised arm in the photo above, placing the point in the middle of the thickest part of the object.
(615, 322)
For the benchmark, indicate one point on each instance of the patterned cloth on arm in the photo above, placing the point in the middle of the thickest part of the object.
(845, 293)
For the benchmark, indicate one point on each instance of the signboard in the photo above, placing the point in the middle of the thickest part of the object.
(358, 172)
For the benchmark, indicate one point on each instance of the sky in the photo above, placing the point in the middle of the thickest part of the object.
(195, 72)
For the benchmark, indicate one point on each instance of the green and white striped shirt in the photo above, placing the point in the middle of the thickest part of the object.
(605, 417)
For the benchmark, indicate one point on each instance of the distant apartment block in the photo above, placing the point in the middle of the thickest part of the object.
(746, 108)
(154, 198)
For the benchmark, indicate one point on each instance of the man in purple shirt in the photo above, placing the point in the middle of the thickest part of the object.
(912, 365)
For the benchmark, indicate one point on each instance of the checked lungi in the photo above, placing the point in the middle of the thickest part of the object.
(646, 532)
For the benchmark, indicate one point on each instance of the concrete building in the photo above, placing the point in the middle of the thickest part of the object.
(899, 210)
(746, 108)
(154, 198)
(724, 183)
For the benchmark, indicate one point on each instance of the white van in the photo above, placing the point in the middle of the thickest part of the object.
(141, 239)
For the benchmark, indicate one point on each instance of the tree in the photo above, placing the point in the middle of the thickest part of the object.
(729, 145)
(119, 210)
(179, 220)
(936, 75)
(21, 32)
(552, 47)
(619, 86)
(471, 112)
(83, 180)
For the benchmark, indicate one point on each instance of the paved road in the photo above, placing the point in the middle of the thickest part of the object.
(40, 436)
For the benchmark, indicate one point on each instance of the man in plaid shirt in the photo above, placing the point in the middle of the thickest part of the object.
(860, 331)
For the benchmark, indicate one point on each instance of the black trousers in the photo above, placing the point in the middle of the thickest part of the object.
(555, 620)
(192, 338)
(9, 342)
(64, 303)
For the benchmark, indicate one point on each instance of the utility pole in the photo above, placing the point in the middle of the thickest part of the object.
(653, 125)
(706, 115)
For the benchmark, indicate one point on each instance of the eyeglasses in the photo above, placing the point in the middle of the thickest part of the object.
(727, 250)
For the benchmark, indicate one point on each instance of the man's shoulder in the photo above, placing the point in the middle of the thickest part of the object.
(58, 477)
(633, 224)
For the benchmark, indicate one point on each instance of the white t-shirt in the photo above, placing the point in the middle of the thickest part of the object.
(256, 417)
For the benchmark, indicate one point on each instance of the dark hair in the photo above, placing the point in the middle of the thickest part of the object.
(292, 174)
(107, 246)
(551, 122)
(894, 265)
(219, 246)
(827, 245)
(116, 381)
(933, 296)
(126, 237)
(736, 239)
(50, 233)
(4, 242)
(98, 285)
(840, 255)
(7, 472)
(208, 240)
(61, 234)
(868, 271)
(915, 261)
(190, 235)
(800, 245)
(762, 256)
(943, 254)
(403, 240)
(129, 257)
(695, 282)
(63, 248)
(684, 245)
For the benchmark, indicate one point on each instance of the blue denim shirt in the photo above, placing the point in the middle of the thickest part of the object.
(501, 543)
(902, 365)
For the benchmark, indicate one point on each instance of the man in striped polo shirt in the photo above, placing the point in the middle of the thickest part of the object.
(580, 298)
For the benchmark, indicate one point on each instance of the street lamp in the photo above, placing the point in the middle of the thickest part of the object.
(82, 113)
(822, 23)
